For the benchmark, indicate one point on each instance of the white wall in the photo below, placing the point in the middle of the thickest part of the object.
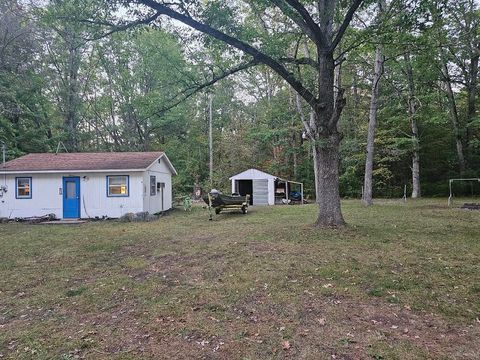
(46, 198)
(95, 202)
(153, 204)
(271, 185)
(271, 191)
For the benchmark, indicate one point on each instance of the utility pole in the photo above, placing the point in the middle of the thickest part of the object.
(4, 155)
(210, 138)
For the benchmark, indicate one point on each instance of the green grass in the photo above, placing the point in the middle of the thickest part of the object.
(402, 281)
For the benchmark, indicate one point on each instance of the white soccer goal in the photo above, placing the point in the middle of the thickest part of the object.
(451, 181)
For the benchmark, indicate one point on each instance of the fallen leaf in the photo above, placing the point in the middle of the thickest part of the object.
(286, 345)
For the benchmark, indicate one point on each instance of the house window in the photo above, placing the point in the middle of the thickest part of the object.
(117, 185)
(160, 186)
(153, 186)
(23, 187)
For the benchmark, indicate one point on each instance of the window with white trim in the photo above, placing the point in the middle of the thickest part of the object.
(23, 187)
(117, 185)
(153, 185)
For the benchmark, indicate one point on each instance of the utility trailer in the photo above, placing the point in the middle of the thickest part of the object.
(220, 202)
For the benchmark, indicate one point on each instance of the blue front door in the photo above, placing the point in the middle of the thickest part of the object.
(71, 197)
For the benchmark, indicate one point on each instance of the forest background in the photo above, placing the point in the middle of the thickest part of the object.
(147, 87)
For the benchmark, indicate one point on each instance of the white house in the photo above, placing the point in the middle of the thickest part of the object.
(263, 188)
(85, 185)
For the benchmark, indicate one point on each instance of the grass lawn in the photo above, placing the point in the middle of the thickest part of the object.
(400, 282)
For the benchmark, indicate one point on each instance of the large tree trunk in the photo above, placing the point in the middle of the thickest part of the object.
(326, 148)
(412, 114)
(372, 126)
(327, 161)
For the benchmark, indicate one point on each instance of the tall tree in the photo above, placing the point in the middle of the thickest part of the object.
(65, 38)
(24, 122)
(372, 116)
(315, 22)
(412, 115)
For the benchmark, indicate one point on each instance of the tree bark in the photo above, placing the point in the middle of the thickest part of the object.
(472, 94)
(356, 96)
(326, 147)
(372, 126)
(327, 162)
(416, 189)
(412, 114)
(455, 119)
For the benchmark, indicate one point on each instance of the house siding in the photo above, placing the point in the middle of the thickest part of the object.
(153, 204)
(47, 198)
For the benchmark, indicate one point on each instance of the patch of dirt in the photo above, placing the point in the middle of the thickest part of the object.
(359, 326)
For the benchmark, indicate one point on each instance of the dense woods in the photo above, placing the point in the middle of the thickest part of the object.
(121, 76)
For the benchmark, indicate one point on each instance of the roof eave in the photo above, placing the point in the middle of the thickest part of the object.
(5, 171)
(169, 164)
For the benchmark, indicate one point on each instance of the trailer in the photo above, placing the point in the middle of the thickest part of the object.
(220, 202)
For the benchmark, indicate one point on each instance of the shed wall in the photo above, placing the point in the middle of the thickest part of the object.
(153, 203)
(260, 192)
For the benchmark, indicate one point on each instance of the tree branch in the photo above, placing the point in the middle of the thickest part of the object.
(238, 44)
(345, 23)
(303, 19)
(306, 125)
(300, 61)
(189, 92)
(337, 111)
(295, 17)
(318, 33)
(118, 28)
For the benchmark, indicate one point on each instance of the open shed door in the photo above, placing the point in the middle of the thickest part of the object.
(260, 192)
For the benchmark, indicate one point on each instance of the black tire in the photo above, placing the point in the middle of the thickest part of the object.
(217, 211)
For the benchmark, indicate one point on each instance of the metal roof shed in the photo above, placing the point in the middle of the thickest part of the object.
(263, 188)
